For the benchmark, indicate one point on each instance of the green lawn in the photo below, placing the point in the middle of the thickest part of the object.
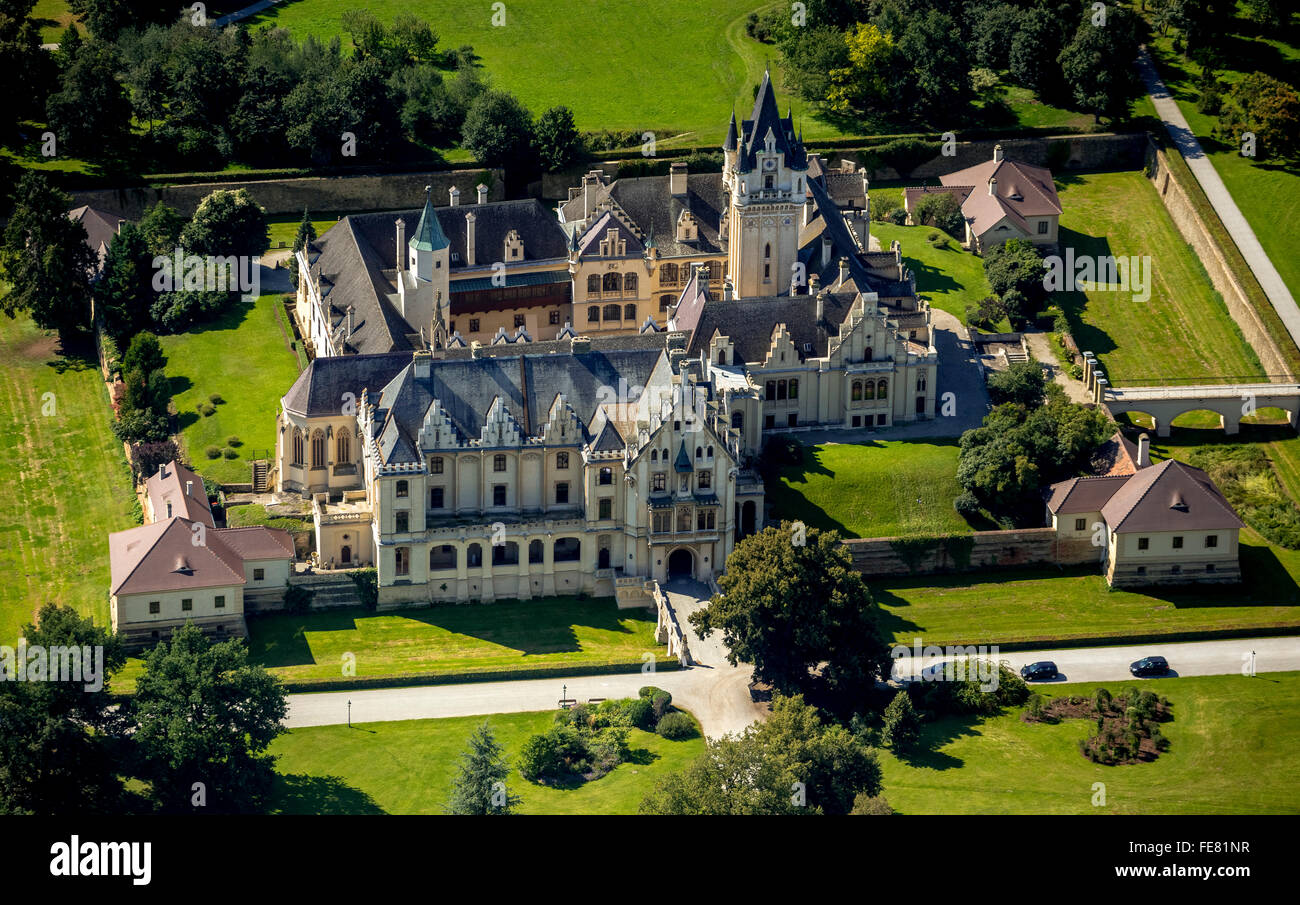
(555, 632)
(881, 488)
(408, 768)
(1267, 192)
(674, 67)
(66, 481)
(1184, 330)
(1232, 751)
(949, 277)
(244, 356)
(1056, 606)
(57, 17)
(284, 229)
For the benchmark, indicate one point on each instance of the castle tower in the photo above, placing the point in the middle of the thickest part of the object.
(765, 173)
(426, 277)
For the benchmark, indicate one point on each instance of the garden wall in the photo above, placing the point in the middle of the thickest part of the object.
(316, 194)
(1177, 196)
(1104, 151)
(965, 552)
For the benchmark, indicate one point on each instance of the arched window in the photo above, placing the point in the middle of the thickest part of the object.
(630, 283)
(506, 554)
(866, 356)
(794, 389)
(403, 489)
(343, 447)
(318, 449)
(535, 551)
(442, 557)
(297, 447)
(665, 302)
(612, 312)
(402, 560)
(567, 549)
(612, 282)
(708, 453)
(699, 452)
(882, 389)
(722, 356)
(857, 391)
(767, 251)
(869, 390)
(769, 391)
(780, 389)
(715, 271)
(668, 274)
(920, 384)
(654, 455)
(561, 460)
(474, 556)
(593, 314)
(629, 312)
(738, 420)
(593, 284)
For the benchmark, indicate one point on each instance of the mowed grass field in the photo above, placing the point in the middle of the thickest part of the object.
(673, 67)
(408, 768)
(1052, 607)
(479, 639)
(243, 356)
(1266, 191)
(1232, 751)
(880, 488)
(1183, 331)
(948, 277)
(66, 481)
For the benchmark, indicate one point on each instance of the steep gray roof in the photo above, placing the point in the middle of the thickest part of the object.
(320, 389)
(468, 388)
(1171, 496)
(750, 323)
(753, 132)
(652, 207)
(428, 234)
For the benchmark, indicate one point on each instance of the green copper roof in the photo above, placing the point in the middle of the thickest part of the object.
(429, 235)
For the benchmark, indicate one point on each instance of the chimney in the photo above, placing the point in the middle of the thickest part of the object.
(349, 323)
(993, 185)
(476, 349)
(590, 186)
(828, 249)
(728, 291)
(189, 488)
(580, 344)
(814, 280)
(401, 243)
(469, 239)
(677, 179)
(844, 272)
(420, 364)
(997, 153)
(1144, 451)
(455, 195)
(120, 221)
(482, 193)
(821, 307)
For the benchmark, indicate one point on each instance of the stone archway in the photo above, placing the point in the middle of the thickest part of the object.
(681, 563)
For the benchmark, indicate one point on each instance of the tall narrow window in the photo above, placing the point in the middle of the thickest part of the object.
(343, 447)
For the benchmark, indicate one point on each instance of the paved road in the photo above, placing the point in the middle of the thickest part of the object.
(1110, 664)
(1179, 130)
(716, 692)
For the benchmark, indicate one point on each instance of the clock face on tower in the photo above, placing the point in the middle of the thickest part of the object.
(769, 164)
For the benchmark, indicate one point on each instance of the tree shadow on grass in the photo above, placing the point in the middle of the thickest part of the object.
(300, 793)
(279, 639)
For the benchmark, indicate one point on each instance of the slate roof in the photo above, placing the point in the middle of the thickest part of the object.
(750, 324)
(167, 485)
(321, 387)
(1171, 496)
(467, 389)
(765, 117)
(356, 259)
(100, 225)
(653, 208)
(1085, 494)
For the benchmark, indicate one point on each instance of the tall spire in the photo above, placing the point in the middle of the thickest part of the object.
(731, 142)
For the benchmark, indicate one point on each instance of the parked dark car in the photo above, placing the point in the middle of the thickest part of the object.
(1150, 666)
(1041, 671)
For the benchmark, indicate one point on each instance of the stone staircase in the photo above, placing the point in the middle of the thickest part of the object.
(1015, 354)
(260, 471)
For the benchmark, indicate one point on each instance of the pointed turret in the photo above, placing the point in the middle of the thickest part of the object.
(731, 142)
(429, 235)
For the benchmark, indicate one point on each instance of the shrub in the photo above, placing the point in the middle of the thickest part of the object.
(967, 504)
(676, 726)
(1036, 706)
(206, 409)
(234, 441)
(871, 804)
(216, 399)
(212, 452)
(538, 757)
(649, 692)
(230, 453)
(898, 216)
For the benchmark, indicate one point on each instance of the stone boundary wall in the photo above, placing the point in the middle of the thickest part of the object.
(878, 556)
(316, 194)
(1174, 196)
